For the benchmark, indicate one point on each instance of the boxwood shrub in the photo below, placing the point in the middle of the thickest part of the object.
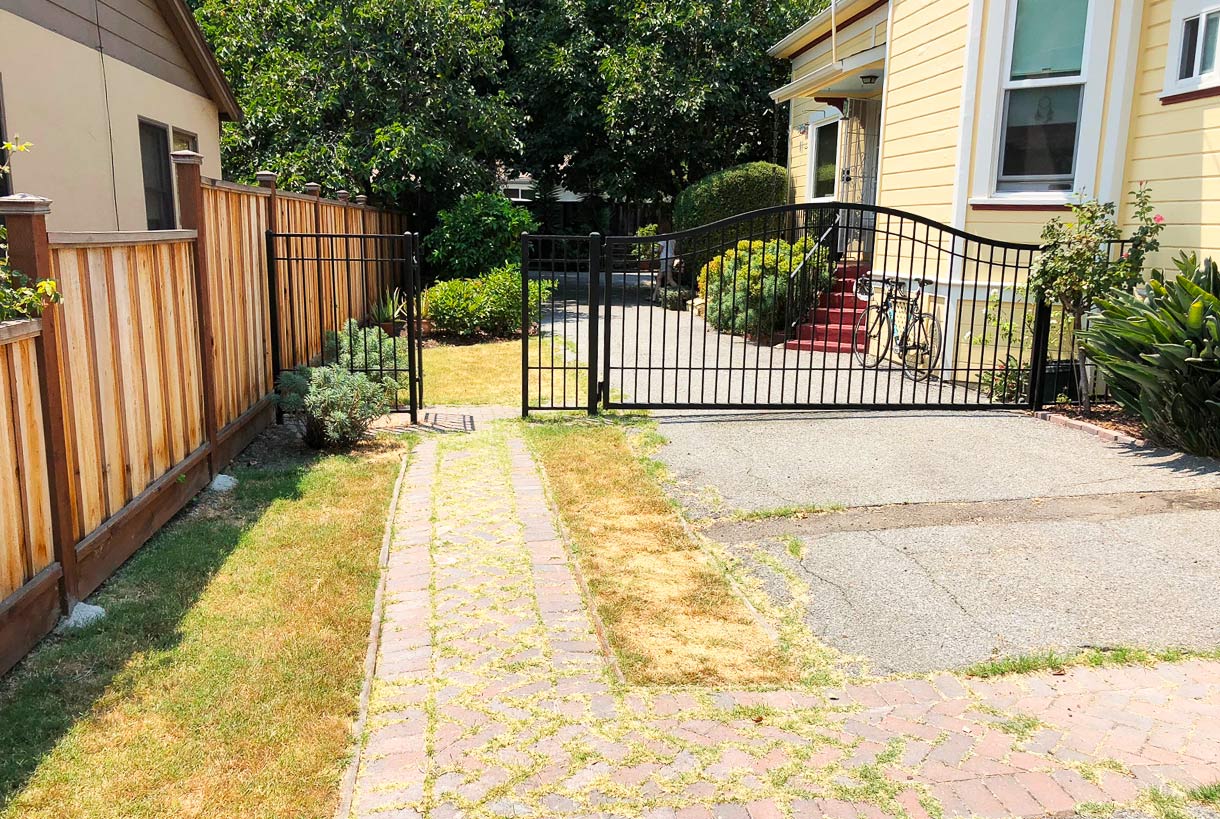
(488, 305)
(730, 192)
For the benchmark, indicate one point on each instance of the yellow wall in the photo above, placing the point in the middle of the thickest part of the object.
(1175, 148)
(863, 35)
(83, 124)
(923, 99)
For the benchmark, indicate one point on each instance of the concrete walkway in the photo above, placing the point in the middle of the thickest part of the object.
(492, 698)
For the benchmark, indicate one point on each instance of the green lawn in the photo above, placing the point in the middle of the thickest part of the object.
(490, 373)
(225, 678)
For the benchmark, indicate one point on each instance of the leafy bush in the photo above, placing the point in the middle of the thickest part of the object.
(20, 298)
(1160, 352)
(1077, 263)
(488, 306)
(730, 192)
(480, 233)
(674, 298)
(646, 251)
(337, 406)
(747, 287)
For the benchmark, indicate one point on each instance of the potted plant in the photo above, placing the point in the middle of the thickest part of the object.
(648, 254)
(389, 313)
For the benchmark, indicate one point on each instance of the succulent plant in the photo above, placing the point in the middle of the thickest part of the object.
(1160, 351)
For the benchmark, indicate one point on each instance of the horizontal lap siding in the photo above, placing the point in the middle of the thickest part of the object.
(25, 513)
(1175, 148)
(923, 102)
(131, 371)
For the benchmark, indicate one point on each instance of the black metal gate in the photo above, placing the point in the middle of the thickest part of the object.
(351, 299)
(827, 305)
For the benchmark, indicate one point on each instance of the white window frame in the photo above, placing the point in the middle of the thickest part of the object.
(995, 83)
(1182, 11)
(819, 119)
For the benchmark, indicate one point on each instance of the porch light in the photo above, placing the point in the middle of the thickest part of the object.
(868, 79)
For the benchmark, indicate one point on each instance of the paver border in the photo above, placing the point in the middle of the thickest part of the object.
(1104, 433)
(347, 786)
(561, 528)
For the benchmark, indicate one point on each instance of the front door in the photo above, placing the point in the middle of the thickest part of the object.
(861, 142)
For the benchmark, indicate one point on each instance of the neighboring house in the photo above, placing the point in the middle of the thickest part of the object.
(990, 115)
(523, 190)
(105, 90)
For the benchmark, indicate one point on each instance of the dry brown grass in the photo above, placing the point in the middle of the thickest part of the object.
(670, 613)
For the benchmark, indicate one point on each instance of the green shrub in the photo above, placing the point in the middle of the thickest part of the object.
(368, 350)
(337, 406)
(675, 298)
(729, 192)
(489, 305)
(747, 287)
(1160, 352)
(480, 233)
(646, 251)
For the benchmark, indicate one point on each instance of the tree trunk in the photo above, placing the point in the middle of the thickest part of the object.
(1084, 385)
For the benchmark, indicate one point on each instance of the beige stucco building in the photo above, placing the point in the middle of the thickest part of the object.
(104, 90)
(991, 115)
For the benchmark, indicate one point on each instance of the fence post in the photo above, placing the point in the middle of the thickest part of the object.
(595, 297)
(1042, 333)
(29, 252)
(267, 179)
(187, 167)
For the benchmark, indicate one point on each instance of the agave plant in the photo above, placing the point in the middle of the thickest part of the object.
(392, 307)
(1160, 352)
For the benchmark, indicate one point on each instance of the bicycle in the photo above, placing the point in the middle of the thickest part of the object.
(899, 320)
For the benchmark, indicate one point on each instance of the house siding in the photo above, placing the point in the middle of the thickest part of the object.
(82, 117)
(920, 123)
(1174, 148)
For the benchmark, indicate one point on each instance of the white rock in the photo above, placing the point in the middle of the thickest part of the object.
(83, 614)
(222, 483)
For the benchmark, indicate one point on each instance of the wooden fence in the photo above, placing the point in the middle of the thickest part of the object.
(123, 402)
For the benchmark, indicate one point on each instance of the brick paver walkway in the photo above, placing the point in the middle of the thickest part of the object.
(492, 698)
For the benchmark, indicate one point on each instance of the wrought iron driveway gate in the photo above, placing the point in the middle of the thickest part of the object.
(327, 287)
(826, 305)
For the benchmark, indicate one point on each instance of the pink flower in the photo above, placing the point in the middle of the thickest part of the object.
(1159, 219)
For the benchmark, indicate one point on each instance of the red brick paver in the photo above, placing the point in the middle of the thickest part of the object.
(492, 698)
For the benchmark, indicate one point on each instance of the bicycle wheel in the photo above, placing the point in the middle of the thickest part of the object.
(870, 338)
(921, 348)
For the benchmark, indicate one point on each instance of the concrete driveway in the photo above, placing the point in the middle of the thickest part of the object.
(964, 536)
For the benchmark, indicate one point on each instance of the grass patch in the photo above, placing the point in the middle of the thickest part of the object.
(225, 676)
(672, 615)
(1205, 794)
(798, 512)
(1093, 657)
(794, 546)
(489, 374)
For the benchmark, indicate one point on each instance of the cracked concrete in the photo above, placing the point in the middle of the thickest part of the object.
(965, 536)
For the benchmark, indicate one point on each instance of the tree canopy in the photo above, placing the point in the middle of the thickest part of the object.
(415, 102)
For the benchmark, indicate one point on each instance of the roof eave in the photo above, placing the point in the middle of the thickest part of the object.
(182, 22)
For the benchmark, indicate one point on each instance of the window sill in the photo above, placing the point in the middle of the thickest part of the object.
(1019, 203)
(1189, 95)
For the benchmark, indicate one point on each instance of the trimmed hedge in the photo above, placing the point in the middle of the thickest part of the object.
(489, 305)
(730, 192)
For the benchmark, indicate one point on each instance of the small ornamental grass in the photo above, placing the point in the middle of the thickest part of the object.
(337, 406)
(1160, 352)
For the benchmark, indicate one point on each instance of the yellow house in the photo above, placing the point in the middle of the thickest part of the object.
(990, 115)
(105, 90)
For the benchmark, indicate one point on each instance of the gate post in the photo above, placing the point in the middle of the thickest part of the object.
(525, 325)
(412, 331)
(267, 179)
(595, 273)
(1042, 332)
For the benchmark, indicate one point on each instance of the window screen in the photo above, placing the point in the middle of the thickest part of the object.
(1048, 39)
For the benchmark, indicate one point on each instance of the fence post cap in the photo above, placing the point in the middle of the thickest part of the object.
(186, 158)
(342, 196)
(313, 188)
(24, 204)
(266, 177)
(361, 199)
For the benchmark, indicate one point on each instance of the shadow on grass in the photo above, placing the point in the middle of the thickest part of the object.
(69, 676)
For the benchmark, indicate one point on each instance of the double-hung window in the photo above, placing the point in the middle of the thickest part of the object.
(1194, 40)
(1043, 92)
